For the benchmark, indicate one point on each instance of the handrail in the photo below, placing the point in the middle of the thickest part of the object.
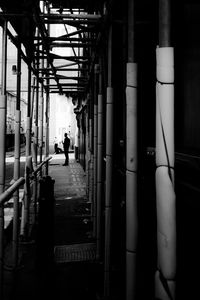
(6, 195)
(40, 165)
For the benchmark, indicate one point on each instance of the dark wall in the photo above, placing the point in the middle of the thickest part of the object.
(187, 79)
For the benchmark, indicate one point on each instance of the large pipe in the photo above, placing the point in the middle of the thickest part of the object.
(99, 163)
(17, 159)
(165, 283)
(3, 104)
(131, 159)
(109, 171)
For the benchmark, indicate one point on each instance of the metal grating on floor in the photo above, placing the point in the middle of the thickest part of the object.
(74, 253)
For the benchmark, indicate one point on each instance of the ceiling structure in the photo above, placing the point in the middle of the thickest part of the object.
(80, 23)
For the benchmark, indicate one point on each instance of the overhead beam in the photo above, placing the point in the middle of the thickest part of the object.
(63, 69)
(72, 16)
(69, 22)
(75, 45)
(44, 34)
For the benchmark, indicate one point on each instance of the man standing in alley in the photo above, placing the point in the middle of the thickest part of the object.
(66, 144)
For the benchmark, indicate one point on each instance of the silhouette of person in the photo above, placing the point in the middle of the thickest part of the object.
(66, 144)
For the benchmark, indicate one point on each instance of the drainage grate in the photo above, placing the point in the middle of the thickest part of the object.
(75, 252)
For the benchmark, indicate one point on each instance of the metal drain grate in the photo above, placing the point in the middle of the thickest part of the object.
(74, 253)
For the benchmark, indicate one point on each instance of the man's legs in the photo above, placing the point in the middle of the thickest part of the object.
(66, 158)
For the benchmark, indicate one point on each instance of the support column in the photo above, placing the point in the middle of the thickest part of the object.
(95, 152)
(165, 195)
(17, 159)
(29, 119)
(47, 106)
(109, 171)
(41, 114)
(35, 141)
(99, 163)
(47, 129)
(26, 201)
(3, 104)
(131, 159)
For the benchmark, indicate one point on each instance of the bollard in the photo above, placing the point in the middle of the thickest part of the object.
(45, 241)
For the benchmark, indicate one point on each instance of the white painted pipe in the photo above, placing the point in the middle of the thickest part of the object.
(16, 193)
(165, 196)
(131, 181)
(34, 146)
(99, 172)
(47, 130)
(41, 117)
(109, 186)
(26, 199)
(28, 135)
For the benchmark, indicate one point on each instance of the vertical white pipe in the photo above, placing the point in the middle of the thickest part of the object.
(26, 200)
(109, 186)
(3, 103)
(41, 114)
(131, 180)
(165, 195)
(47, 106)
(16, 194)
(47, 129)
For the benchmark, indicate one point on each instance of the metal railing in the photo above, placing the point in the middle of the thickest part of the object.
(28, 212)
